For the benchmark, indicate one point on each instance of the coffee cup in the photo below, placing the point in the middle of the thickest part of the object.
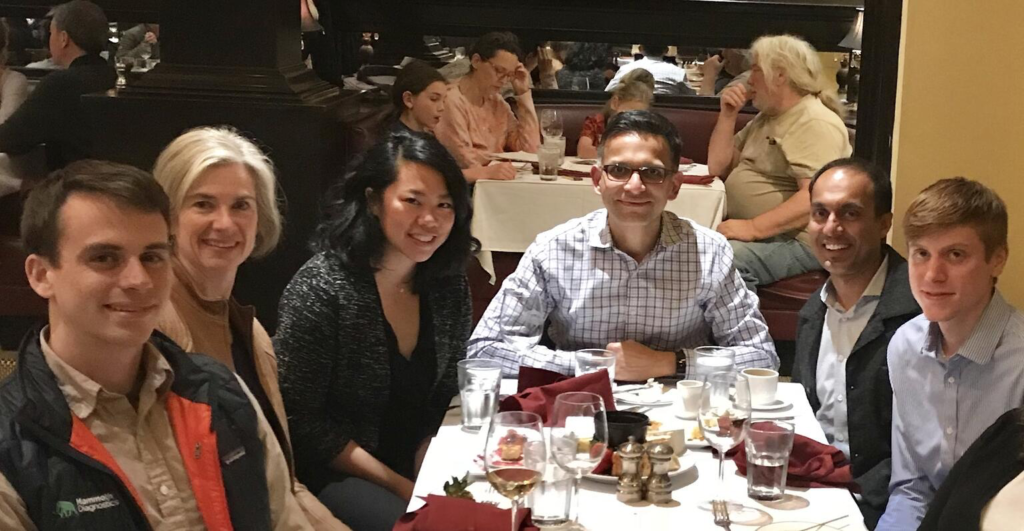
(689, 397)
(764, 384)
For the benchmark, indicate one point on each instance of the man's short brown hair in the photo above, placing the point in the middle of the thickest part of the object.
(126, 186)
(85, 23)
(955, 202)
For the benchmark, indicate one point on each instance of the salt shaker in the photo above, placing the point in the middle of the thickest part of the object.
(631, 485)
(659, 485)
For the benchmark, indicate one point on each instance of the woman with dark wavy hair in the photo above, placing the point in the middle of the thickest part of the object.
(371, 328)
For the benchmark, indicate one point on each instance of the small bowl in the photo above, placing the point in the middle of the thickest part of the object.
(623, 424)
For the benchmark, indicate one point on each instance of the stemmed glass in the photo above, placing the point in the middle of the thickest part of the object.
(579, 436)
(551, 123)
(515, 455)
(724, 410)
(146, 51)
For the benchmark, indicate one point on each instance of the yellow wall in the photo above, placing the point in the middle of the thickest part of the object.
(960, 109)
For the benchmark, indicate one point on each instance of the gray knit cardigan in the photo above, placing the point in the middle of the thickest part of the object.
(333, 356)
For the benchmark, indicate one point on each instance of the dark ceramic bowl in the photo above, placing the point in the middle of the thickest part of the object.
(622, 424)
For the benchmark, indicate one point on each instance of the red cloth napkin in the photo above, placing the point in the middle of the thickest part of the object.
(811, 464)
(442, 513)
(540, 399)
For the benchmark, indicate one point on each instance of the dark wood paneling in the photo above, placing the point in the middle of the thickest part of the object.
(879, 75)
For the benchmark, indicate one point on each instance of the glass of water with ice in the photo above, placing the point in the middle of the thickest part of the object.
(478, 391)
(707, 360)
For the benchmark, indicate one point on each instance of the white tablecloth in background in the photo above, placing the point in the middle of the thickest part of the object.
(452, 450)
(508, 215)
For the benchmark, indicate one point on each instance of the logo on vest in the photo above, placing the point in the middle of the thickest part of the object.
(66, 509)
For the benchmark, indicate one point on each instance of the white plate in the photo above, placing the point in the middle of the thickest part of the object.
(686, 462)
(796, 526)
(777, 404)
(634, 399)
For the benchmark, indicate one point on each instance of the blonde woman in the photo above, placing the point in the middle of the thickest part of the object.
(224, 210)
(767, 167)
(631, 95)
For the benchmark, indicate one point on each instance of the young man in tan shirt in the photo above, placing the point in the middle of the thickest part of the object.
(106, 424)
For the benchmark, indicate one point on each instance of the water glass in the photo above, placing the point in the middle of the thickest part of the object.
(769, 443)
(707, 360)
(560, 142)
(548, 159)
(550, 123)
(594, 359)
(479, 381)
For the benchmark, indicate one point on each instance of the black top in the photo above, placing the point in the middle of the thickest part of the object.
(406, 419)
(398, 126)
(245, 367)
(994, 460)
(868, 390)
(53, 114)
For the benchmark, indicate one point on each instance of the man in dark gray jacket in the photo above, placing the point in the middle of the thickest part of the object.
(843, 333)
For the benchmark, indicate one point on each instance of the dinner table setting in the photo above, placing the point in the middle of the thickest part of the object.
(588, 452)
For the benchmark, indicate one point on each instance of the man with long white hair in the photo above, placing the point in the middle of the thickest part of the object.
(768, 166)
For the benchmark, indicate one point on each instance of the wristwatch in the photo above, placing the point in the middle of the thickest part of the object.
(681, 362)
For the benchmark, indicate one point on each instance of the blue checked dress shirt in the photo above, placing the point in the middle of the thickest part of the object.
(940, 407)
(684, 294)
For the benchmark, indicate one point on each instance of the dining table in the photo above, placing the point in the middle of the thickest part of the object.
(454, 452)
(508, 215)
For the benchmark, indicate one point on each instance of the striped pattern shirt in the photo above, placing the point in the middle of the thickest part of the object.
(941, 406)
(684, 294)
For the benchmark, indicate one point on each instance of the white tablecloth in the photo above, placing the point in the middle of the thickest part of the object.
(451, 452)
(508, 215)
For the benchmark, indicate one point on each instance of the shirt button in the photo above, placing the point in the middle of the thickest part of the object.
(949, 431)
(164, 490)
(951, 380)
(840, 398)
(840, 437)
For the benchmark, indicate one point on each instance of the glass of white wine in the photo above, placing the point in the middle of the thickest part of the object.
(724, 410)
(579, 435)
(515, 455)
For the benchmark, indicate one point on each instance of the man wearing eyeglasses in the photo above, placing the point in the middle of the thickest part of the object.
(630, 278)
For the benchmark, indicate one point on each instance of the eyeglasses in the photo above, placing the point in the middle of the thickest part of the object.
(500, 72)
(649, 175)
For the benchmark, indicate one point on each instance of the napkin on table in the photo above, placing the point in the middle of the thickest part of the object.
(811, 464)
(545, 386)
(442, 513)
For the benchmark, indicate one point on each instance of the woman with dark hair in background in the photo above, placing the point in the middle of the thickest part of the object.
(478, 122)
(418, 96)
(372, 327)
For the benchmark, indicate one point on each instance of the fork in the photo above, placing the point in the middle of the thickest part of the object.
(721, 512)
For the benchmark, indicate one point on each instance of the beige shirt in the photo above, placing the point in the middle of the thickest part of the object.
(472, 133)
(143, 445)
(776, 152)
(1005, 512)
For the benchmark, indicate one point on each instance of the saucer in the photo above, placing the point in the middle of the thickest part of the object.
(771, 406)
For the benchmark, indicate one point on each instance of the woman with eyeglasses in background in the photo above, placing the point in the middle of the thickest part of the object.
(478, 122)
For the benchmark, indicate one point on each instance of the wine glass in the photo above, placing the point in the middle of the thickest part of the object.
(145, 51)
(724, 409)
(551, 123)
(515, 455)
(579, 436)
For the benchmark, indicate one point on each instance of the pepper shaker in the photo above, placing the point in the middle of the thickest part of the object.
(659, 485)
(631, 484)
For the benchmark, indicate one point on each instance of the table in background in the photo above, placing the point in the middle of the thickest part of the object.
(452, 450)
(508, 215)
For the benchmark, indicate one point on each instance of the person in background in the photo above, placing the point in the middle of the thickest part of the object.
(138, 40)
(768, 166)
(843, 332)
(108, 424)
(543, 61)
(579, 276)
(959, 366)
(721, 70)
(372, 328)
(630, 95)
(668, 78)
(224, 207)
(584, 66)
(418, 95)
(53, 114)
(984, 489)
(477, 122)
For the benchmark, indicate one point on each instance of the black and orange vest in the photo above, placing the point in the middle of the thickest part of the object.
(68, 479)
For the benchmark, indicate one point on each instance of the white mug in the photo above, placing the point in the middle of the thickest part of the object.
(764, 384)
(689, 397)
